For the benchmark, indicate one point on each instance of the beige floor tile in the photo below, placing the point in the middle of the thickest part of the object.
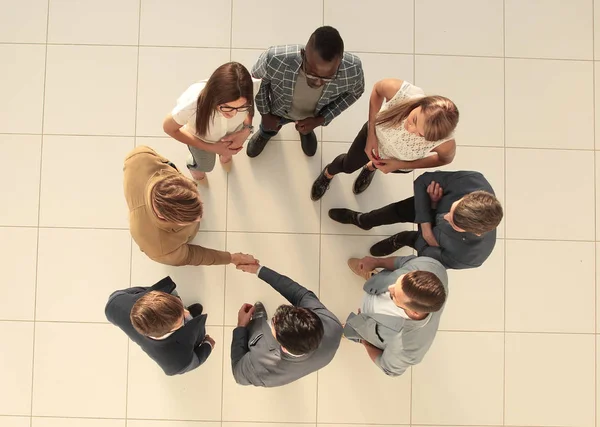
(69, 71)
(164, 24)
(73, 279)
(292, 255)
(596, 33)
(384, 189)
(272, 405)
(236, 424)
(99, 201)
(476, 296)
(15, 368)
(460, 380)
(195, 395)
(269, 180)
(22, 87)
(532, 119)
(462, 27)
(534, 28)
(15, 421)
(548, 380)
(204, 284)
(347, 16)
(80, 370)
(18, 256)
(597, 285)
(154, 423)
(75, 422)
(597, 100)
(86, 22)
(535, 294)
(164, 74)
(23, 22)
(476, 85)
(344, 382)
(543, 188)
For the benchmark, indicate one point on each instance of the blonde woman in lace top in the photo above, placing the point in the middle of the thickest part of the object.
(409, 131)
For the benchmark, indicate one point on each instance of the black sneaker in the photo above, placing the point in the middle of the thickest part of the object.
(393, 243)
(346, 216)
(309, 143)
(363, 180)
(320, 186)
(259, 310)
(256, 145)
(195, 309)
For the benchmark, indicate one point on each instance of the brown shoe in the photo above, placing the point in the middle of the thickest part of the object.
(354, 264)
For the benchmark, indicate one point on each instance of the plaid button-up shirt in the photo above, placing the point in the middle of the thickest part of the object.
(278, 68)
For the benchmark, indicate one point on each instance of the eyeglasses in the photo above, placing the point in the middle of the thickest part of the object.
(229, 109)
(327, 79)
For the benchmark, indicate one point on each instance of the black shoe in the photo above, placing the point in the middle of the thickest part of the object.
(195, 309)
(393, 243)
(256, 145)
(346, 216)
(363, 180)
(320, 186)
(309, 143)
(259, 310)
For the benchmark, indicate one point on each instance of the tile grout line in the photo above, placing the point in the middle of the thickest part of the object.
(505, 221)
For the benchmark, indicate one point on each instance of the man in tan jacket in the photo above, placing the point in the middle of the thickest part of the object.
(165, 212)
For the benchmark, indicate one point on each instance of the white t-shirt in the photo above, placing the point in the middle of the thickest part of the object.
(397, 142)
(381, 304)
(184, 114)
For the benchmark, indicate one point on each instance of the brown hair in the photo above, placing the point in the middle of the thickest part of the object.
(441, 115)
(227, 83)
(424, 290)
(298, 329)
(478, 212)
(176, 199)
(156, 314)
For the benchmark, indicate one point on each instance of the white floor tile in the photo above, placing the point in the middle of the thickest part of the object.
(597, 98)
(22, 88)
(597, 285)
(532, 118)
(195, 395)
(292, 255)
(23, 22)
(214, 196)
(87, 21)
(90, 90)
(18, 255)
(15, 421)
(539, 200)
(461, 27)
(75, 422)
(80, 370)
(476, 86)
(374, 36)
(460, 381)
(164, 74)
(352, 389)
(97, 181)
(77, 270)
(376, 67)
(186, 23)
(260, 404)
(148, 423)
(596, 33)
(529, 279)
(16, 362)
(244, 424)
(203, 284)
(535, 29)
(268, 181)
(264, 23)
(476, 296)
(535, 365)
(23, 154)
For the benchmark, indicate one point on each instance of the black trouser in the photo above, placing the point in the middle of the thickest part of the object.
(403, 211)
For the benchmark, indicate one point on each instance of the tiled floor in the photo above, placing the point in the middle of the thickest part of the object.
(84, 81)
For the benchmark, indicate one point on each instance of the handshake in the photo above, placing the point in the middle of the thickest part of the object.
(245, 262)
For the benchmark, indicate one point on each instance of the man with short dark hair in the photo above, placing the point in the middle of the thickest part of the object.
(400, 311)
(309, 86)
(301, 338)
(156, 320)
(457, 214)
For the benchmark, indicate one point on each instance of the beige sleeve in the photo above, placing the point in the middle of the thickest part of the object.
(195, 255)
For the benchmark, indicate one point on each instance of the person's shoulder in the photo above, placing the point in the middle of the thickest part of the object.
(424, 263)
(351, 64)
(284, 51)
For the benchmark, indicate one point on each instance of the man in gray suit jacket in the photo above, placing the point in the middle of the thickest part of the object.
(400, 311)
(301, 338)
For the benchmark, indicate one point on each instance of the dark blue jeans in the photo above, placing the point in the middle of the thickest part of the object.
(267, 133)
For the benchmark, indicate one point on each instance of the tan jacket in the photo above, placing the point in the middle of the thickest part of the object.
(162, 241)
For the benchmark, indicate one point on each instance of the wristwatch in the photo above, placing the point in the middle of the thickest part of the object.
(245, 126)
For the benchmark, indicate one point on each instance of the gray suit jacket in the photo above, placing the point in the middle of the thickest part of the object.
(256, 356)
(404, 341)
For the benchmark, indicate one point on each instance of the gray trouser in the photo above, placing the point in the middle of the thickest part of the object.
(201, 161)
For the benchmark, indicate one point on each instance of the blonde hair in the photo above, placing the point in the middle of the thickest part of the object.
(441, 115)
(176, 199)
(478, 212)
(156, 314)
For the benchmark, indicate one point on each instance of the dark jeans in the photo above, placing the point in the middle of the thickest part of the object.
(268, 133)
(403, 211)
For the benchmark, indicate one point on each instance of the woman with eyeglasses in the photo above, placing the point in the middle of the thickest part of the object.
(213, 117)
(410, 131)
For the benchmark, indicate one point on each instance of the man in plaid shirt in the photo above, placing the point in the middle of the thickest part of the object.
(309, 86)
